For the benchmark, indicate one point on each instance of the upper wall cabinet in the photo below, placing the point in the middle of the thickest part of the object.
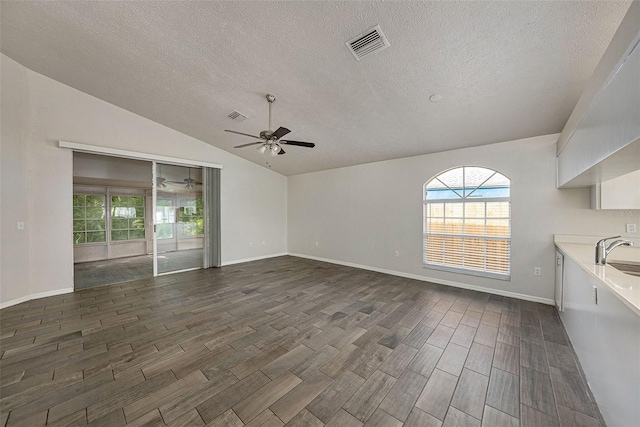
(601, 140)
(618, 193)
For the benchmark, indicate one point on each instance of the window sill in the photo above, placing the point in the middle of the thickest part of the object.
(468, 272)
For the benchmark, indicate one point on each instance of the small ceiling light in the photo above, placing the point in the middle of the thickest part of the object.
(435, 97)
(262, 148)
(275, 149)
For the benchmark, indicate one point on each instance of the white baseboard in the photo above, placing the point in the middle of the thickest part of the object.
(257, 258)
(6, 304)
(547, 301)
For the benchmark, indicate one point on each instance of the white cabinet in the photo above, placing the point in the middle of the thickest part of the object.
(606, 338)
(559, 279)
(618, 193)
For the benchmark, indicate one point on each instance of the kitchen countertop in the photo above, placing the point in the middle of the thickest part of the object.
(624, 286)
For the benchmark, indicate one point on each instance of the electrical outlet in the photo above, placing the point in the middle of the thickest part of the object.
(631, 228)
(316, 243)
(594, 295)
(264, 243)
(20, 225)
(397, 253)
(536, 271)
(250, 244)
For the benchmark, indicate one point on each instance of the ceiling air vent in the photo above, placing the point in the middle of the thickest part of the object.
(368, 42)
(237, 116)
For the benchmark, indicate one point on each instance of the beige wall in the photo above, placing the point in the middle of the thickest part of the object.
(36, 180)
(362, 214)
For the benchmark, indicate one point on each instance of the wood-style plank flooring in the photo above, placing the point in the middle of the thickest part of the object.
(288, 341)
(109, 271)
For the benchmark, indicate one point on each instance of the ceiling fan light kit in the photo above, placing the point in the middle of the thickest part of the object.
(270, 140)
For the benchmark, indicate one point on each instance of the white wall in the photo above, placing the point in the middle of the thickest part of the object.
(362, 214)
(36, 180)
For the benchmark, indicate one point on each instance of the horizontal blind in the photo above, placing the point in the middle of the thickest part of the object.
(473, 235)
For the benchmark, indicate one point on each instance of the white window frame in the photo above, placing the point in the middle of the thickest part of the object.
(463, 199)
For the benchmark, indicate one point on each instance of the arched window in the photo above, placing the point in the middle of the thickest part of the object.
(467, 222)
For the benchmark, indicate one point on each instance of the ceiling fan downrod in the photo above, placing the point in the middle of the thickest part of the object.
(270, 99)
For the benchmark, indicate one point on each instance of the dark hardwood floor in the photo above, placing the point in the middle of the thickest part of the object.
(287, 341)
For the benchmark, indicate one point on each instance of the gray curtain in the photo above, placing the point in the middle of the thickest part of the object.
(212, 201)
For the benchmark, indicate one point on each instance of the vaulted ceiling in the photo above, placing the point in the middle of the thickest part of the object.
(505, 70)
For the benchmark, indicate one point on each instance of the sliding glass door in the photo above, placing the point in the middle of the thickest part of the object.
(179, 214)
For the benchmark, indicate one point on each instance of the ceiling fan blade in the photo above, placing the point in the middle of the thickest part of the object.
(240, 133)
(280, 132)
(281, 151)
(299, 143)
(249, 144)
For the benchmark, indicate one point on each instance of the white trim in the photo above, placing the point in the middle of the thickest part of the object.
(547, 301)
(87, 148)
(6, 304)
(179, 271)
(468, 271)
(257, 258)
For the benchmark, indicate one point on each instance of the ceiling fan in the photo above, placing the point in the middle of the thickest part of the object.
(189, 182)
(271, 139)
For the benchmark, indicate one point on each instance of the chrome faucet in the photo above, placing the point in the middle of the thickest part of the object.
(602, 251)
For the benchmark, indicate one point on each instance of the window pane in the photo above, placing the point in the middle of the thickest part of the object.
(435, 249)
(139, 212)
(498, 227)
(443, 194)
(452, 178)
(95, 225)
(436, 209)
(164, 231)
(474, 253)
(453, 251)
(435, 225)
(453, 210)
(95, 213)
(78, 238)
(95, 236)
(117, 201)
(136, 234)
(119, 224)
(95, 201)
(136, 223)
(78, 213)
(499, 184)
(498, 248)
(474, 227)
(137, 201)
(78, 225)
(474, 177)
(498, 209)
(119, 235)
(453, 226)
(474, 210)
(78, 200)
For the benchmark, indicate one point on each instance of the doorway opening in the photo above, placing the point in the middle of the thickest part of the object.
(135, 219)
(112, 220)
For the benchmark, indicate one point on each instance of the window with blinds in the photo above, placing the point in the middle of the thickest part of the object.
(467, 222)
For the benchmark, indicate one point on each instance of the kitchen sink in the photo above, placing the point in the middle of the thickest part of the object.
(628, 267)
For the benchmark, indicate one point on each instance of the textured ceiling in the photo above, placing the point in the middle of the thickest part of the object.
(505, 70)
